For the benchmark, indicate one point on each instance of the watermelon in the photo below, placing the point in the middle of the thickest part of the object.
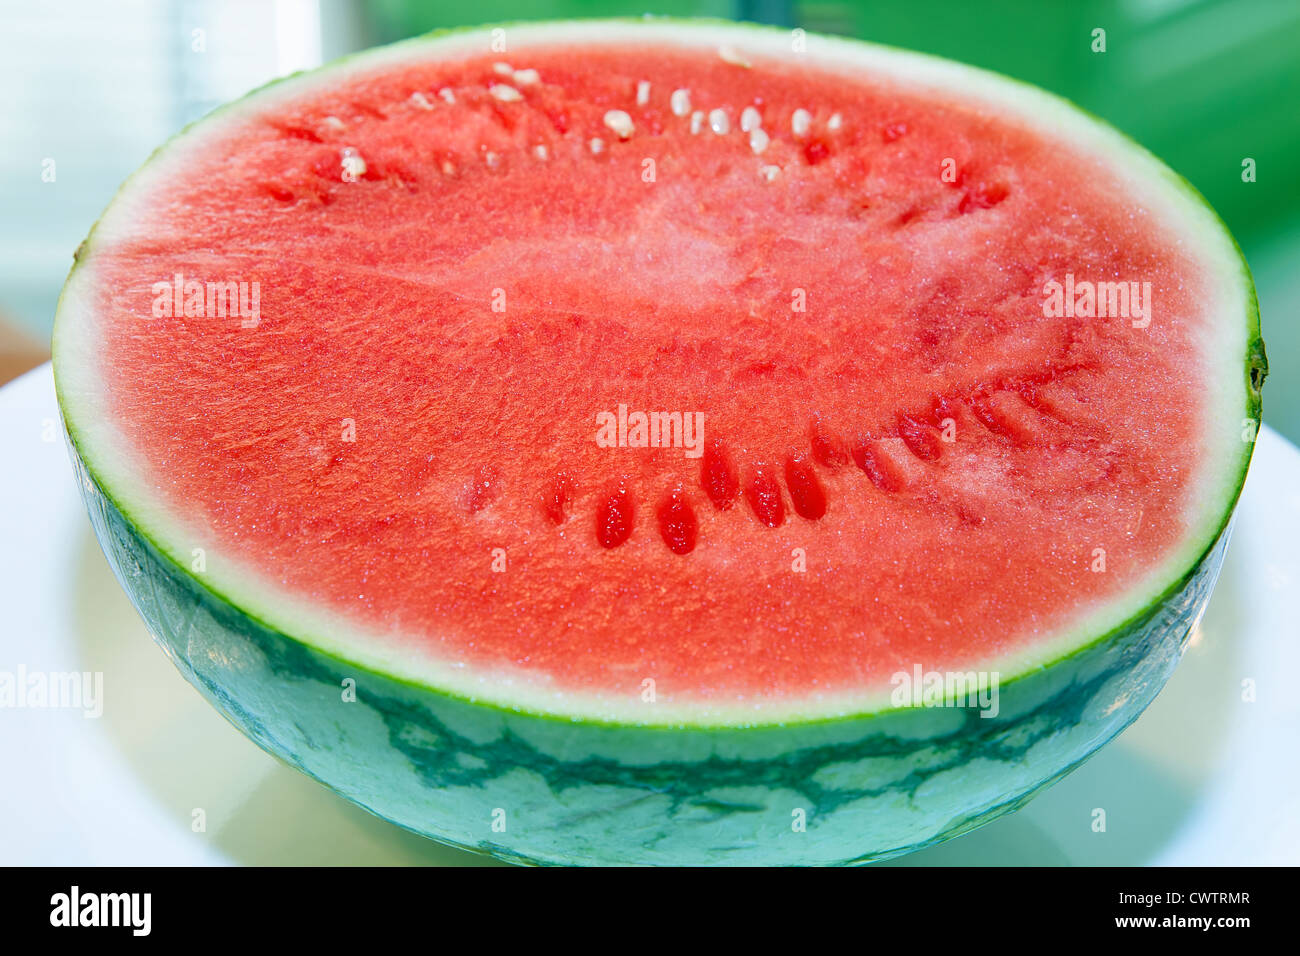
(663, 442)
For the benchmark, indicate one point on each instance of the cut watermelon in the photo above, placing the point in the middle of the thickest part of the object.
(621, 441)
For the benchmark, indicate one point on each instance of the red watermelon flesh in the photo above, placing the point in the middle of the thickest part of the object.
(836, 298)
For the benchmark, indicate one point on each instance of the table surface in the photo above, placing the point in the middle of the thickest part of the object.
(1205, 776)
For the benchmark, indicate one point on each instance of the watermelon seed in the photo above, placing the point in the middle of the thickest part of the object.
(815, 152)
(911, 214)
(769, 172)
(697, 121)
(806, 492)
(750, 119)
(758, 141)
(882, 474)
(718, 475)
(643, 93)
(719, 123)
(893, 131)
(597, 145)
(540, 152)
(677, 524)
(419, 101)
(800, 121)
(827, 448)
(354, 167)
(919, 437)
(279, 193)
(983, 409)
(680, 101)
(731, 55)
(505, 93)
(620, 122)
(526, 77)
(503, 69)
(835, 122)
(764, 496)
(614, 518)
(982, 197)
(556, 498)
(447, 94)
(299, 132)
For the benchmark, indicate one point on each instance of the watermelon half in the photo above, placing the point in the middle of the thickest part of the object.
(616, 442)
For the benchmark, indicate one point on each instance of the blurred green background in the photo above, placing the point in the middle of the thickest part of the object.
(1205, 84)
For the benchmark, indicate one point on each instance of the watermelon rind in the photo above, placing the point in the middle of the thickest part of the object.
(547, 778)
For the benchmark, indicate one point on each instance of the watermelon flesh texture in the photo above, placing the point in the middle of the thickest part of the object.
(463, 258)
(476, 429)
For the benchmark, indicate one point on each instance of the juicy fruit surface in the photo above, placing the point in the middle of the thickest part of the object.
(461, 264)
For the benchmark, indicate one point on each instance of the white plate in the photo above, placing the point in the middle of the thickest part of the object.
(1204, 777)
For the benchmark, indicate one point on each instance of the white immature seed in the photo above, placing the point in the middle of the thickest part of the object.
(620, 123)
(354, 167)
(697, 121)
(680, 102)
(492, 160)
(333, 122)
(505, 93)
(447, 94)
(750, 119)
(835, 122)
(769, 172)
(643, 93)
(526, 77)
(758, 140)
(731, 55)
(419, 101)
(800, 121)
(597, 144)
(719, 123)
(503, 69)
(540, 152)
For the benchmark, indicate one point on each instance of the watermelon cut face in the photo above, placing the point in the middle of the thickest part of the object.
(612, 424)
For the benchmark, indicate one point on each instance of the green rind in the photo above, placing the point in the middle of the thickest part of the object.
(871, 785)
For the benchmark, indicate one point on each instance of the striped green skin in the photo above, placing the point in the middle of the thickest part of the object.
(536, 788)
(869, 787)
